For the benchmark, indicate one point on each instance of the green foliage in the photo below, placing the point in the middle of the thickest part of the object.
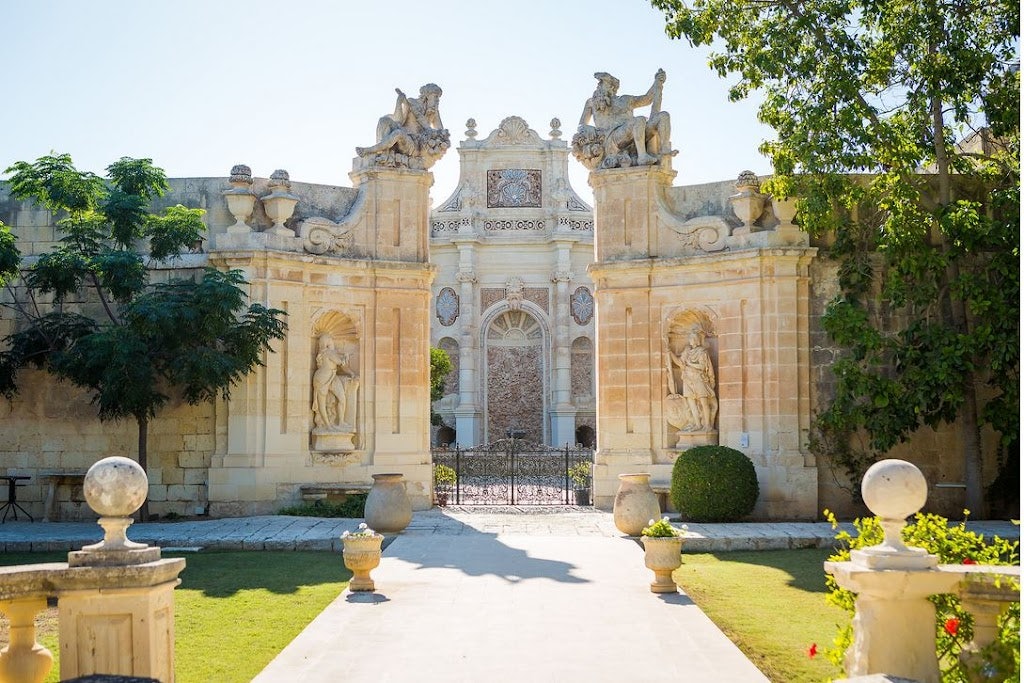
(193, 334)
(897, 128)
(661, 529)
(440, 367)
(10, 256)
(713, 484)
(953, 545)
(350, 508)
(444, 475)
(579, 474)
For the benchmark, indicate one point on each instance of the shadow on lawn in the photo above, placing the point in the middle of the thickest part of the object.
(804, 565)
(222, 574)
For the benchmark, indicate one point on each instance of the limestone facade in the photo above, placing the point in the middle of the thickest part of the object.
(512, 301)
(565, 324)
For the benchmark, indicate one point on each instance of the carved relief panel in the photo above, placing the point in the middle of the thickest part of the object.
(691, 405)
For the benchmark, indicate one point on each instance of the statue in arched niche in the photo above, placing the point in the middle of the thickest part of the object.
(335, 391)
(692, 403)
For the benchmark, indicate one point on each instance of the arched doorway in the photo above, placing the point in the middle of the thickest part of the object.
(515, 377)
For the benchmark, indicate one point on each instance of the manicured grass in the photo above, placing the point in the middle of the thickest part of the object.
(771, 603)
(233, 611)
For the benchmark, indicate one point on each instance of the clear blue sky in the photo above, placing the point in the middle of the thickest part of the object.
(200, 85)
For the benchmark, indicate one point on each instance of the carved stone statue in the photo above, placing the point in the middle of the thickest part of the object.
(335, 388)
(698, 407)
(618, 138)
(413, 136)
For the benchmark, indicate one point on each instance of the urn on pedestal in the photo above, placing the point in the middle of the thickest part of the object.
(663, 545)
(240, 198)
(361, 554)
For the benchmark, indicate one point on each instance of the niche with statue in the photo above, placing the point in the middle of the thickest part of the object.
(691, 405)
(335, 383)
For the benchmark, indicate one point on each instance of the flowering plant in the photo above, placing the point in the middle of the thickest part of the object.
(363, 532)
(662, 529)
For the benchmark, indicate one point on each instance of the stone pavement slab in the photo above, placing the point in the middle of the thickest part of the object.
(481, 606)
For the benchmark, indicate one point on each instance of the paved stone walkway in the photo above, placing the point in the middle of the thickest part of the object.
(273, 532)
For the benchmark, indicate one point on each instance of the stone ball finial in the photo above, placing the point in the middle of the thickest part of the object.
(115, 487)
(240, 173)
(894, 489)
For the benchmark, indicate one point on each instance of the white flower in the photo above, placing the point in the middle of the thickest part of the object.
(363, 526)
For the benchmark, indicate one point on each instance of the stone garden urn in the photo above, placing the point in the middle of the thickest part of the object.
(361, 554)
(635, 504)
(388, 508)
(663, 555)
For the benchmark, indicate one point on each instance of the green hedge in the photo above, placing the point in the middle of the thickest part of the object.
(713, 484)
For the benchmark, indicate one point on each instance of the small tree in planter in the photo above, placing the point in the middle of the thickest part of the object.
(444, 481)
(579, 474)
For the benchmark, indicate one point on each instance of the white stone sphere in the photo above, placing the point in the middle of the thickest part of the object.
(894, 489)
(115, 487)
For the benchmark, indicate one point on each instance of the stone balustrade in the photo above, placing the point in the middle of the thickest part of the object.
(894, 621)
(114, 598)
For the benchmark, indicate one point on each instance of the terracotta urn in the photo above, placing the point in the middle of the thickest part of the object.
(635, 504)
(663, 555)
(361, 555)
(388, 508)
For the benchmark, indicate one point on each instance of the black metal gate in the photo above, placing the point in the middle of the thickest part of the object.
(512, 472)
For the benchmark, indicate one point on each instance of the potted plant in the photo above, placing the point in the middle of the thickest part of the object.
(361, 554)
(663, 544)
(444, 482)
(579, 474)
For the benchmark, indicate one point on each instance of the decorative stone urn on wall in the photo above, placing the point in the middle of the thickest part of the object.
(280, 203)
(240, 198)
(748, 203)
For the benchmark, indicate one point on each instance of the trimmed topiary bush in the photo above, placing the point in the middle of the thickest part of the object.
(713, 484)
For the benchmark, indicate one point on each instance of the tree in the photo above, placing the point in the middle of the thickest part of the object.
(87, 312)
(897, 126)
(440, 368)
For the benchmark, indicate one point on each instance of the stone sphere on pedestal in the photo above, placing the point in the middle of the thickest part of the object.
(894, 489)
(115, 486)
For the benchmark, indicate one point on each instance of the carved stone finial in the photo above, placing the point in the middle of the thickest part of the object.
(471, 129)
(748, 179)
(280, 181)
(240, 173)
(556, 131)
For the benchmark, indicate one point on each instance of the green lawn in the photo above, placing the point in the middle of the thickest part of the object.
(233, 611)
(771, 603)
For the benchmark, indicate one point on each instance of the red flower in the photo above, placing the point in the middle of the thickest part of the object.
(813, 650)
(952, 625)
(968, 560)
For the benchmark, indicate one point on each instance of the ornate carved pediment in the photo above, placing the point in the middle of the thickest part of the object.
(513, 131)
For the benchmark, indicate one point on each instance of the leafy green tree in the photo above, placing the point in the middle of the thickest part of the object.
(897, 125)
(87, 312)
(440, 368)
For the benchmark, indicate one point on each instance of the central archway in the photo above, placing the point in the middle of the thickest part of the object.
(515, 377)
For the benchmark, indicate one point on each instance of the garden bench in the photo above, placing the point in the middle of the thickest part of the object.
(314, 492)
(661, 490)
(53, 481)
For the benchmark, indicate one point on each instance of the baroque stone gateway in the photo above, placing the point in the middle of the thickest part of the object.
(661, 318)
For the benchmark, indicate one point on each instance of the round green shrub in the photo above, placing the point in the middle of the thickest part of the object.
(713, 484)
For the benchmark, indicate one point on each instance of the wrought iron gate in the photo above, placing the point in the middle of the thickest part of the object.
(512, 472)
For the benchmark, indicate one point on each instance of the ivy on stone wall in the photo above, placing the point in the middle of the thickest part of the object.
(897, 128)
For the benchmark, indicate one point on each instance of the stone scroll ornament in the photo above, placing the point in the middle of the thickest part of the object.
(335, 391)
(692, 403)
(618, 138)
(413, 136)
